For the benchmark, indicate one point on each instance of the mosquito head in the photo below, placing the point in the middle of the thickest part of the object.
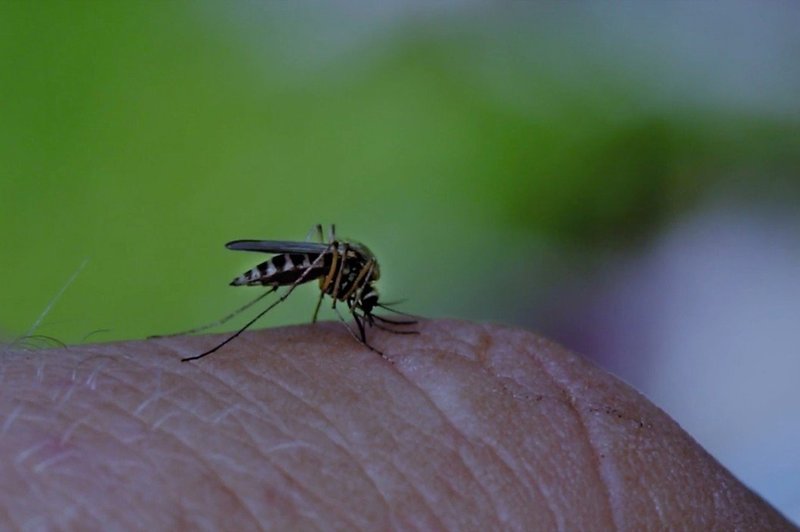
(369, 298)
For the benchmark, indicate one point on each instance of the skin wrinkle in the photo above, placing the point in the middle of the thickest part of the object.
(502, 466)
(260, 412)
(656, 504)
(231, 409)
(47, 462)
(612, 507)
(119, 381)
(156, 426)
(87, 507)
(155, 396)
(604, 485)
(444, 480)
(414, 486)
(483, 360)
(62, 400)
(342, 448)
(281, 470)
(232, 463)
(91, 380)
(23, 455)
(250, 443)
(224, 486)
(547, 495)
(292, 445)
(428, 504)
(717, 506)
(66, 493)
(40, 370)
(10, 419)
(425, 500)
(5, 514)
(143, 457)
(458, 433)
(562, 401)
(179, 408)
(126, 383)
(285, 473)
(339, 443)
(430, 436)
(122, 413)
(498, 461)
(42, 500)
(275, 464)
(31, 492)
(533, 485)
(392, 462)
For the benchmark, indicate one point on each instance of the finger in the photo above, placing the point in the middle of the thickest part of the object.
(302, 427)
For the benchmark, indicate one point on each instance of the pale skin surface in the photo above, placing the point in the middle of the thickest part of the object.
(472, 427)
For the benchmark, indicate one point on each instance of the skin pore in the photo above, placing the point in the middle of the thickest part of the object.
(470, 427)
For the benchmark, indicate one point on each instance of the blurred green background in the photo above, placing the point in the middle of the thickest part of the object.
(495, 160)
(482, 155)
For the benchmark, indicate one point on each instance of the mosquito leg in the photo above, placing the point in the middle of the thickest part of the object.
(300, 280)
(390, 309)
(316, 309)
(363, 279)
(361, 330)
(394, 322)
(339, 274)
(349, 329)
(361, 336)
(220, 321)
(315, 229)
(326, 282)
(243, 329)
(387, 329)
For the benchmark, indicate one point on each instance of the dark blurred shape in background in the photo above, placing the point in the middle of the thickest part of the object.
(625, 180)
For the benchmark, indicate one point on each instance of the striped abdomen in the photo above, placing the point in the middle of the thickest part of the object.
(284, 269)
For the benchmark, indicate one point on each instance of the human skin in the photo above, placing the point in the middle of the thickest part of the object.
(465, 427)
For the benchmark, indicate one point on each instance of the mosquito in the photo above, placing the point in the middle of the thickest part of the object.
(346, 270)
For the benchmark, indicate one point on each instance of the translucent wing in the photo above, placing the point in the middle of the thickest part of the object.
(277, 246)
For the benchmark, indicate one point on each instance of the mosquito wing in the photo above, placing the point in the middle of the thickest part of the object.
(278, 246)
